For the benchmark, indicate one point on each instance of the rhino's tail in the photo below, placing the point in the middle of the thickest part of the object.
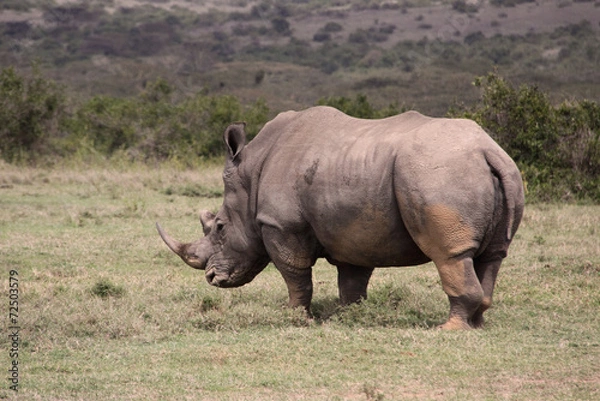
(510, 180)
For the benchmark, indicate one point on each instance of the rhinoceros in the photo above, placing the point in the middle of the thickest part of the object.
(399, 191)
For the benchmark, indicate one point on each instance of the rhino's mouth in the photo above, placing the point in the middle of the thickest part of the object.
(219, 279)
(229, 278)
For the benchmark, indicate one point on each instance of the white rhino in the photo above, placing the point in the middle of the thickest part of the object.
(399, 191)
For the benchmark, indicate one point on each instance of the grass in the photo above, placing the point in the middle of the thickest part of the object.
(109, 313)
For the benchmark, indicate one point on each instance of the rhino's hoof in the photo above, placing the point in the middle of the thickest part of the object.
(455, 323)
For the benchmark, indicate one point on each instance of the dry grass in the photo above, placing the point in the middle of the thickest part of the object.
(109, 313)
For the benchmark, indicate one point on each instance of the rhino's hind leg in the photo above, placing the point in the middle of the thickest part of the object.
(486, 273)
(461, 284)
(353, 282)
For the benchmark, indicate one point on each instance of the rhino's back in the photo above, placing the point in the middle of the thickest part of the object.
(325, 124)
(328, 129)
(322, 143)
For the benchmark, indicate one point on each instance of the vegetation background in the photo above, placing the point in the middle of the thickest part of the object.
(111, 115)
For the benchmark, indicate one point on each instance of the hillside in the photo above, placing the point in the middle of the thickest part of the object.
(421, 54)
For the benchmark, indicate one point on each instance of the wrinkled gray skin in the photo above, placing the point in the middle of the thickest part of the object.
(363, 193)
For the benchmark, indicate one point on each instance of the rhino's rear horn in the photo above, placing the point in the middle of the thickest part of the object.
(181, 249)
(207, 219)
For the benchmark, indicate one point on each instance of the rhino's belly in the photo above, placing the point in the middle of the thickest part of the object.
(392, 253)
(367, 241)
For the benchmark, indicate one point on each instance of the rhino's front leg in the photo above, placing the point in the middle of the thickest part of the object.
(353, 282)
(300, 287)
(294, 256)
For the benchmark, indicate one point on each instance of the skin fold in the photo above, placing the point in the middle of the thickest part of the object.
(400, 191)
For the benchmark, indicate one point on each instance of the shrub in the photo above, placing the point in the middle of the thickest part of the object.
(519, 119)
(37, 126)
(152, 126)
(17, 5)
(508, 3)
(362, 36)
(387, 28)
(462, 6)
(107, 122)
(359, 107)
(281, 26)
(359, 36)
(321, 36)
(31, 109)
(332, 27)
(104, 288)
(557, 148)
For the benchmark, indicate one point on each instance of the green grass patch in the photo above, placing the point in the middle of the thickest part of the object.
(104, 288)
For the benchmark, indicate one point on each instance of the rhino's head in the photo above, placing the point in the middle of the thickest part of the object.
(231, 252)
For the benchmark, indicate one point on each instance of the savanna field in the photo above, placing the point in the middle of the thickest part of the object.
(107, 312)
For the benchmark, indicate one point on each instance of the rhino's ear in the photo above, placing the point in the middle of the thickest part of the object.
(235, 139)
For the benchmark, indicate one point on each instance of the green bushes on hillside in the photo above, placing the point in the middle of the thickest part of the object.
(556, 147)
(37, 124)
(17, 5)
(31, 110)
(154, 126)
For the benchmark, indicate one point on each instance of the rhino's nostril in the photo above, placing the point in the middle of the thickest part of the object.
(210, 275)
(215, 278)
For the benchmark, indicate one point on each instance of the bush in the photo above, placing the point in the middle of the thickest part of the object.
(332, 27)
(321, 36)
(508, 3)
(152, 126)
(462, 6)
(31, 109)
(557, 148)
(17, 5)
(104, 288)
(281, 26)
(362, 36)
(36, 124)
(359, 107)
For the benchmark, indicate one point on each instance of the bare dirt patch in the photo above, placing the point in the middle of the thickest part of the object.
(198, 7)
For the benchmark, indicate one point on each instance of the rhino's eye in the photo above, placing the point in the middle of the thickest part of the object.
(219, 226)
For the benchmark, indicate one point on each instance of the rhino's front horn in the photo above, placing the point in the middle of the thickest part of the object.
(185, 251)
